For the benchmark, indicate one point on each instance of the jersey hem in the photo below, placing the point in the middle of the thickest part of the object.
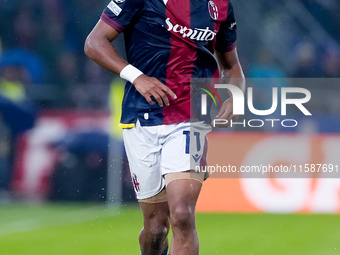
(128, 125)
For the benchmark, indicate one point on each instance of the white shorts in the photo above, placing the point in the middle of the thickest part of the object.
(154, 151)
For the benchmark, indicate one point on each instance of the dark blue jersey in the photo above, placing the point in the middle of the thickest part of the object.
(173, 41)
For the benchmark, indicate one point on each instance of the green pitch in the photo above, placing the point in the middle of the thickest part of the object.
(88, 230)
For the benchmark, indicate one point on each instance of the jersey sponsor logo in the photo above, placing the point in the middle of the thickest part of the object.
(213, 10)
(114, 8)
(119, 1)
(198, 34)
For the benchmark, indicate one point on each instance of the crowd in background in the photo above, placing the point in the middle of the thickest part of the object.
(326, 58)
(47, 38)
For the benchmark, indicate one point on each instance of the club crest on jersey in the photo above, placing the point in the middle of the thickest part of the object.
(114, 8)
(213, 10)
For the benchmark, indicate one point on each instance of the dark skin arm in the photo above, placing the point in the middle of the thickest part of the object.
(98, 47)
(232, 69)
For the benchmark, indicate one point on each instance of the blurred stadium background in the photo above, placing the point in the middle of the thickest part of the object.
(60, 145)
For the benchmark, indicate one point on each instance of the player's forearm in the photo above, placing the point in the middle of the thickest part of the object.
(236, 76)
(231, 68)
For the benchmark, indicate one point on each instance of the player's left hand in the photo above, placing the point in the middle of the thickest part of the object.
(226, 113)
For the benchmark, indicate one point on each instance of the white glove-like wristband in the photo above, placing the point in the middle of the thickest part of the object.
(130, 73)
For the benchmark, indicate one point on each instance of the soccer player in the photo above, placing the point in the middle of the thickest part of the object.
(168, 43)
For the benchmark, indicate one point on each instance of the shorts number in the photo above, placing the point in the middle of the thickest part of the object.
(187, 141)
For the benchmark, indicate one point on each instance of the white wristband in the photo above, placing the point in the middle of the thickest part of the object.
(130, 73)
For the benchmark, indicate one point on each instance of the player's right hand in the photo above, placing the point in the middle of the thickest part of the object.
(152, 87)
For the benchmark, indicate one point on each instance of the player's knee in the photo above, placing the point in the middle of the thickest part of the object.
(158, 229)
(183, 217)
(156, 236)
